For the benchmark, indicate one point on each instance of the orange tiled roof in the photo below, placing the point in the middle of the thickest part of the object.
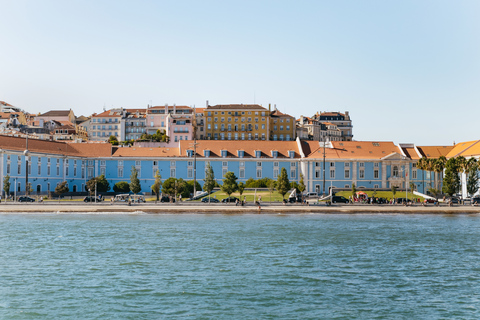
(249, 147)
(237, 106)
(54, 147)
(434, 151)
(145, 152)
(354, 150)
(56, 113)
(466, 149)
(108, 113)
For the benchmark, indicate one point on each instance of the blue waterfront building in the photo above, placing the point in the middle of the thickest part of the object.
(336, 164)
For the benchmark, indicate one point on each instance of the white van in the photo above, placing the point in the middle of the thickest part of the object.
(310, 195)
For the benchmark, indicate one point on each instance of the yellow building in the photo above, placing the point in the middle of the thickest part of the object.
(236, 122)
(282, 126)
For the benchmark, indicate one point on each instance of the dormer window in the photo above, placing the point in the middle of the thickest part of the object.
(224, 153)
(240, 153)
(274, 154)
(258, 153)
(291, 154)
(206, 153)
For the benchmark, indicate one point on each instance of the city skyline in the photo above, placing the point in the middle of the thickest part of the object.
(403, 71)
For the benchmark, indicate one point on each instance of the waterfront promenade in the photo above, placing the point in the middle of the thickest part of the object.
(222, 208)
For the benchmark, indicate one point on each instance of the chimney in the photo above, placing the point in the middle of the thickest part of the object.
(207, 104)
(174, 109)
(166, 108)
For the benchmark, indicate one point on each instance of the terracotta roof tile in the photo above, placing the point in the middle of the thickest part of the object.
(434, 151)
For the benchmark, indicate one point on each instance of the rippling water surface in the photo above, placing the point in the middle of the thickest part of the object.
(239, 266)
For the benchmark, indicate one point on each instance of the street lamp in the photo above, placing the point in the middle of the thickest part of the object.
(26, 153)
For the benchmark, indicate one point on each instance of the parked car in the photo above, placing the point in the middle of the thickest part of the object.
(25, 199)
(428, 200)
(91, 199)
(230, 199)
(310, 195)
(453, 200)
(476, 201)
(166, 199)
(339, 199)
(210, 200)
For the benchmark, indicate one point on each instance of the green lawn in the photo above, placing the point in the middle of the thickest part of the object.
(275, 196)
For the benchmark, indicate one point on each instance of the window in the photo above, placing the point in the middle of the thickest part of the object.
(190, 173)
(317, 173)
(66, 171)
(275, 164)
(155, 163)
(39, 171)
(75, 171)
(19, 168)
(224, 172)
(275, 173)
(361, 164)
(375, 186)
(376, 164)
(189, 163)
(137, 163)
(172, 173)
(293, 174)
(8, 168)
(241, 173)
(102, 162)
(172, 163)
(83, 173)
(347, 164)
(293, 164)
(48, 170)
(58, 170)
(259, 173)
(120, 172)
(332, 164)
(375, 174)
(332, 174)
(259, 163)
(347, 174)
(102, 171)
(120, 163)
(361, 174)
(224, 164)
(414, 174)
(395, 171)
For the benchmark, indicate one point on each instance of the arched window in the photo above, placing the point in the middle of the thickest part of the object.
(39, 188)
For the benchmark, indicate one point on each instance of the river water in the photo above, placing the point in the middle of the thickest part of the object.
(125, 266)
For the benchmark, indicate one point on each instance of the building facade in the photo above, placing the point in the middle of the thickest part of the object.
(335, 164)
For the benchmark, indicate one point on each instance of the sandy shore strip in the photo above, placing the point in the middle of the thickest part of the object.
(195, 208)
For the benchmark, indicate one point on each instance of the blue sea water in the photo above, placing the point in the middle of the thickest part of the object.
(125, 266)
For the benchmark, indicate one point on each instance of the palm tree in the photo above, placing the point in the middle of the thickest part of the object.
(422, 166)
(429, 163)
(461, 167)
(438, 167)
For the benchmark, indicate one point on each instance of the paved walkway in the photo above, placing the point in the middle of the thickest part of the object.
(222, 208)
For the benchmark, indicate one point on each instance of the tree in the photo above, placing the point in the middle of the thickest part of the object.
(435, 192)
(301, 184)
(209, 181)
(157, 185)
(6, 185)
(422, 166)
(168, 186)
(283, 185)
(229, 185)
(113, 140)
(472, 182)
(413, 186)
(121, 186)
(61, 188)
(354, 191)
(394, 190)
(451, 181)
(174, 187)
(102, 184)
(91, 185)
(135, 186)
(190, 188)
(241, 187)
(438, 166)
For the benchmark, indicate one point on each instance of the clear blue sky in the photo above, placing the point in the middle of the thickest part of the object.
(408, 71)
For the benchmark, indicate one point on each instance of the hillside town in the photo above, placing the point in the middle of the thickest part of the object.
(39, 152)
